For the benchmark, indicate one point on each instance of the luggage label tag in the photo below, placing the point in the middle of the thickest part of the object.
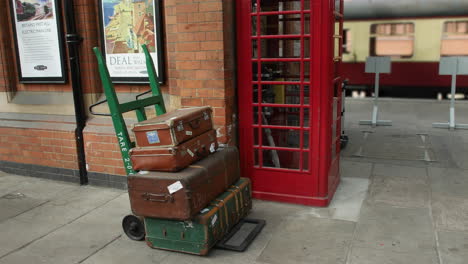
(176, 186)
(206, 116)
(212, 147)
(190, 153)
(214, 219)
(152, 137)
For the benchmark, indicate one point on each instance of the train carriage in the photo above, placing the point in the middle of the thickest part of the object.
(414, 33)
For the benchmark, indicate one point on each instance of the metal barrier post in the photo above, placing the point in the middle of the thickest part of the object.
(377, 65)
(452, 66)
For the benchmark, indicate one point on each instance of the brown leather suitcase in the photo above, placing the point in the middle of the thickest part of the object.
(182, 195)
(174, 158)
(173, 128)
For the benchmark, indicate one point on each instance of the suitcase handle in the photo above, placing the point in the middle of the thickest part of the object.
(153, 197)
(195, 123)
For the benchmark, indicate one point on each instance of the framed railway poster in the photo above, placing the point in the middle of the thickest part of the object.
(38, 41)
(125, 26)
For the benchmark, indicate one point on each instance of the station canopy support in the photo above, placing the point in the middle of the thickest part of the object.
(452, 66)
(377, 65)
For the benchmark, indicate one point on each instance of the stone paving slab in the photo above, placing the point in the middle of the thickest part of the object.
(78, 240)
(126, 251)
(310, 241)
(407, 172)
(361, 255)
(38, 222)
(355, 169)
(400, 186)
(399, 192)
(453, 247)
(449, 182)
(9, 183)
(346, 203)
(450, 213)
(14, 204)
(404, 230)
(30, 193)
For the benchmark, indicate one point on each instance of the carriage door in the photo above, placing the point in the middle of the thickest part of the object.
(275, 88)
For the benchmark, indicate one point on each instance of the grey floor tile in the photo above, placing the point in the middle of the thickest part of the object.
(453, 247)
(31, 193)
(399, 191)
(346, 203)
(355, 169)
(125, 251)
(378, 256)
(13, 204)
(408, 172)
(449, 182)
(398, 229)
(450, 213)
(10, 183)
(77, 240)
(348, 199)
(41, 220)
(310, 241)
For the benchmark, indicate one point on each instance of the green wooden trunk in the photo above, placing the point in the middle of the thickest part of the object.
(208, 227)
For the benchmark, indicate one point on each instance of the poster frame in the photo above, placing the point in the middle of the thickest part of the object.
(159, 46)
(60, 37)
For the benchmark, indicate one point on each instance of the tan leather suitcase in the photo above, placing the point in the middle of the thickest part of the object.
(182, 195)
(174, 158)
(173, 128)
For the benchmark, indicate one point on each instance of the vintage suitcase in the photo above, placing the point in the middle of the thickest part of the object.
(174, 158)
(173, 128)
(183, 194)
(209, 226)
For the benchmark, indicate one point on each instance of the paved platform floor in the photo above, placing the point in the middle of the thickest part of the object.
(403, 199)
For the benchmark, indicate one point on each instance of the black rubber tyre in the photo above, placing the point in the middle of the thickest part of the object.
(133, 227)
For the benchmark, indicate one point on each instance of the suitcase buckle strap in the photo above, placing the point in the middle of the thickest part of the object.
(156, 197)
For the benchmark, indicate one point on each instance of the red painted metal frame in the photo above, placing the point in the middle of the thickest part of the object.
(316, 184)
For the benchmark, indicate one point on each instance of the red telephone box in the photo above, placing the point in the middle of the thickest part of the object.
(289, 93)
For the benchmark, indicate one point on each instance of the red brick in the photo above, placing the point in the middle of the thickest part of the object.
(205, 92)
(214, 102)
(211, 45)
(188, 101)
(188, 65)
(210, 6)
(187, 8)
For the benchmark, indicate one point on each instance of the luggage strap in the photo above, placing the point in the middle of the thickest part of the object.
(241, 196)
(225, 210)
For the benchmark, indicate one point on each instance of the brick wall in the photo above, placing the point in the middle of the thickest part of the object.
(199, 58)
(199, 36)
(102, 149)
(52, 148)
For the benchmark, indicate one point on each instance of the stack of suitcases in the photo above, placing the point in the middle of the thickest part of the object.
(188, 191)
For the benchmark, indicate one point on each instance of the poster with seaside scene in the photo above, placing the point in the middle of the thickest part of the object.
(38, 41)
(126, 26)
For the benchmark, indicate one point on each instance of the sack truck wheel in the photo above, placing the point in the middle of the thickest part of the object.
(133, 227)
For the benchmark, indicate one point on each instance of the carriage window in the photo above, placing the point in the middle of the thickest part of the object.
(392, 39)
(347, 41)
(455, 39)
